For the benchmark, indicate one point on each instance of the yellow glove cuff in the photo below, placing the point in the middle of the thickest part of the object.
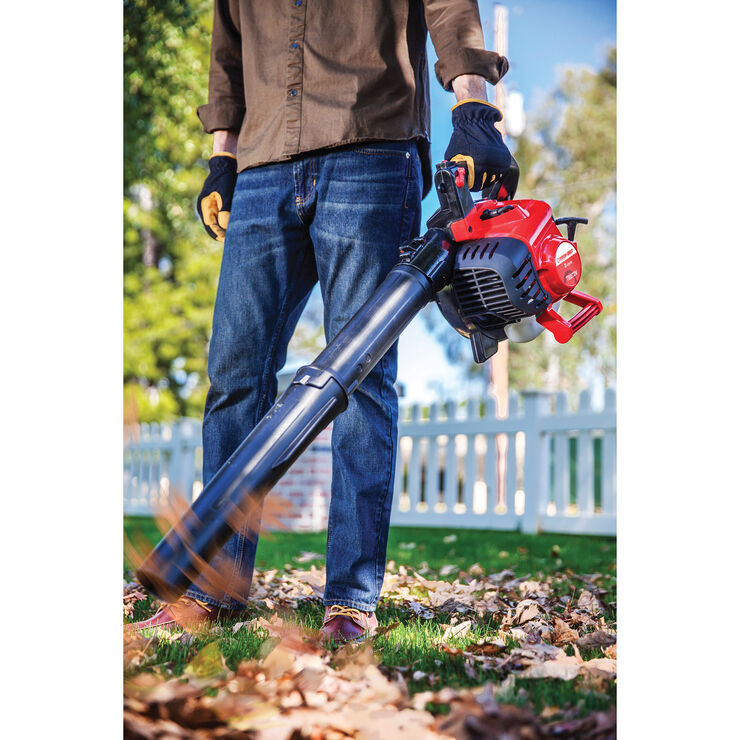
(222, 154)
(475, 100)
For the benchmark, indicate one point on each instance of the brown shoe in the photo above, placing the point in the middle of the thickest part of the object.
(186, 612)
(345, 624)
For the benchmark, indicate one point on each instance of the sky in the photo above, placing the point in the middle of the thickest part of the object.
(544, 36)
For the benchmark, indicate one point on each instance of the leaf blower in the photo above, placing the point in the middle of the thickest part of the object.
(497, 268)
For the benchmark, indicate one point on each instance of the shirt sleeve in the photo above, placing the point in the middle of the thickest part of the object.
(225, 108)
(456, 32)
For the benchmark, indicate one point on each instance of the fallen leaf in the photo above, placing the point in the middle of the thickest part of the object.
(457, 630)
(279, 661)
(420, 610)
(565, 668)
(526, 610)
(306, 556)
(386, 629)
(600, 667)
(486, 648)
(208, 664)
(588, 601)
(610, 651)
(562, 634)
(600, 638)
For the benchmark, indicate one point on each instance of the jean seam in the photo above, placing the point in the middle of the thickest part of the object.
(262, 395)
(270, 360)
(196, 593)
(382, 498)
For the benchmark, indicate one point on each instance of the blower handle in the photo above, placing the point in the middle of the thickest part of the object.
(504, 184)
(563, 329)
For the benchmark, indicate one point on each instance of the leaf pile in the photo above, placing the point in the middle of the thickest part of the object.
(491, 643)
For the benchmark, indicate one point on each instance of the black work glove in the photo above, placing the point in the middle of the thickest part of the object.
(477, 142)
(214, 201)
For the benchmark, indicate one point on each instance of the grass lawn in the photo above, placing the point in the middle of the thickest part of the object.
(415, 650)
(494, 551)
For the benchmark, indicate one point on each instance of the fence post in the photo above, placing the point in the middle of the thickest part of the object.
(585, 478)
(609, 460)
(450, 487)
(512, 463)
(561, 483)
(535, 458)
(190, 436)
(414, 475)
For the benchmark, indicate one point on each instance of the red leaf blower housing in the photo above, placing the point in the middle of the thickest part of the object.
(497, 269)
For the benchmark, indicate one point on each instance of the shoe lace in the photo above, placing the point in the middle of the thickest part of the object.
(339, 610)
(187, 600)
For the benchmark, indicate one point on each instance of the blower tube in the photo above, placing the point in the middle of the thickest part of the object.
(318, 393)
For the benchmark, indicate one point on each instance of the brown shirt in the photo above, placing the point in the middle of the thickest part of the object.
(293, 76)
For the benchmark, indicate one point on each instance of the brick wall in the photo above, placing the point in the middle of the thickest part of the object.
(306, 487)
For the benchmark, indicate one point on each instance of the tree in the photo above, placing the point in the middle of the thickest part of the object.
(170, 264)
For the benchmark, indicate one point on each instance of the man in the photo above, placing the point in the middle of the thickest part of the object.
(319, 111)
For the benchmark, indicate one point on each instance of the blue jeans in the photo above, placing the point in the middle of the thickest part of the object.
(338, 217)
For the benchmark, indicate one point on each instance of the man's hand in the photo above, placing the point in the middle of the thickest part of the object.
(477, 142)
(214, 201)
(475, 139)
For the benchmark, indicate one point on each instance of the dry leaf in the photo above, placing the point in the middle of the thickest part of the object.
(526, 610)
(457, 630)
(588, 601)
(600, 638)
(565, 668)
(601, 667)
(562, 634)
(208, 665)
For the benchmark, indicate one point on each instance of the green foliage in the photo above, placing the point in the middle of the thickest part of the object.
(170, 264)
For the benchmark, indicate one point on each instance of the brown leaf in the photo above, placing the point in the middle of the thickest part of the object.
(610, 651)
(470, 718)
(526, 610)
(208, 665)
(565, 668)
(600, 638)
(601, 667)
(279, 661)
(457, 630)
(562, 634)
(588, 601)
(487, 648)
(386, 629)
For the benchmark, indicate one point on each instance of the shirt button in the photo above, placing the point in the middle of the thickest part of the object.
(299, 2)
(294, 92)
(294, 45)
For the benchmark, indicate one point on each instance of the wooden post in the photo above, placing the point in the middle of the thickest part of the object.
(498, 365)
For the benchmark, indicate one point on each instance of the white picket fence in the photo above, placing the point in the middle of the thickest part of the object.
(543, 468)
(160, 459)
